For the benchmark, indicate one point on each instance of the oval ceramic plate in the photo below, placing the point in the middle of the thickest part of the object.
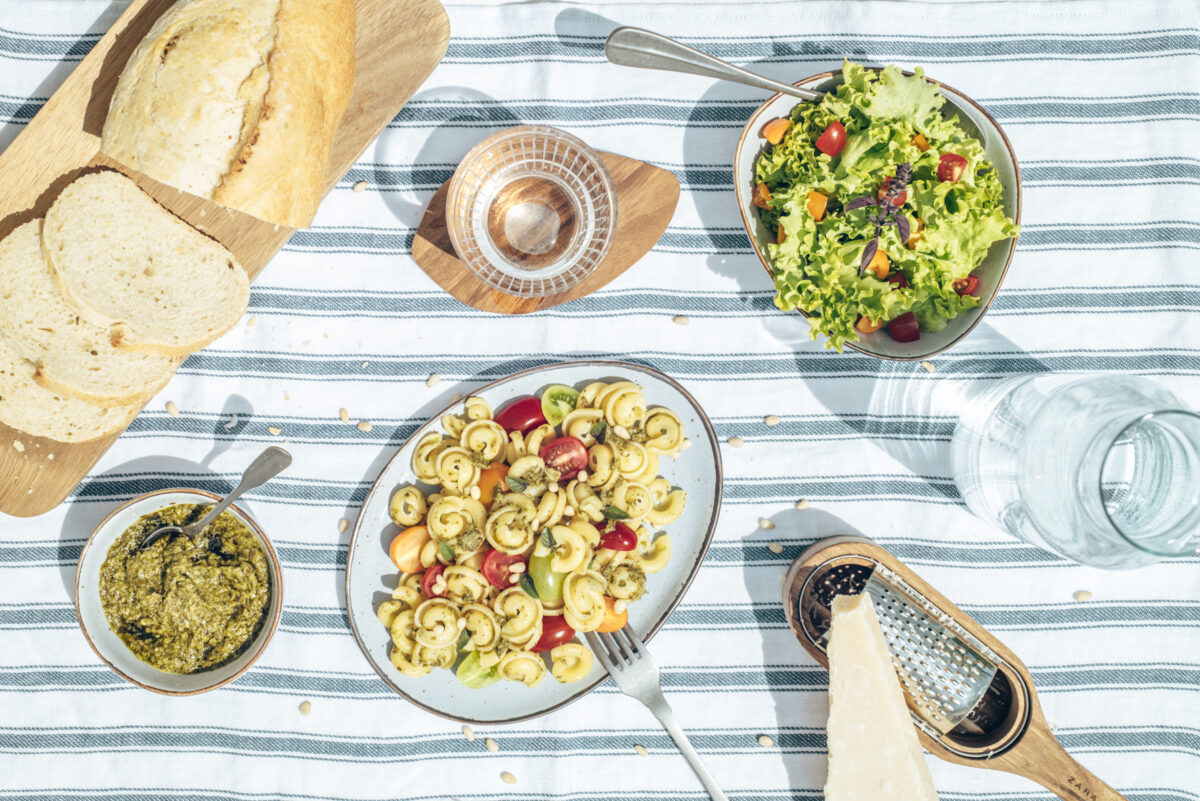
(370, 574)
(109, 647)
(991, 273)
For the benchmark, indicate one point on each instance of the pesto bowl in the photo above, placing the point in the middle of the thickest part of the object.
(109, 647)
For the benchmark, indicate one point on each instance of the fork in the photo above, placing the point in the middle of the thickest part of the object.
(636, 674)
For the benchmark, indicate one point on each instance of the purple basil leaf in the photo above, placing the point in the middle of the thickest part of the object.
(868, 254)
(902, 227)
(859, 202)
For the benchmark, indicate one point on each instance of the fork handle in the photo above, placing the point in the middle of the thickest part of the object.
(666, 717)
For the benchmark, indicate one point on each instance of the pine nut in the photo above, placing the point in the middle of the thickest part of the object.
(619, 606)
(491, 745)
(469, 733)
(273, 430)
(344, 414)
(621, 431)
(343, 524)
(765, 741)
(360, 187)
(517, 568)
(772, 420)
(641, 750)
(172, 408)
(433, 379)
(774, 547)
(802, 504)
(475, 493)
(1082, 595)
(682, 319)
(765, 524)
(929, 366)
(508, 778)
(365, 425)
(735, 442)
(305, 707)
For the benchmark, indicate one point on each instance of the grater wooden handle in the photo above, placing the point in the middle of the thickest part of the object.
(1039, 756)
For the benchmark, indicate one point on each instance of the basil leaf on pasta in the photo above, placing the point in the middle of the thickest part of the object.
(446, 552)
(527, 586)
(613, 513)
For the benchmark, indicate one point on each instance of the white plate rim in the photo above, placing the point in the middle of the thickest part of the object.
(706, 541)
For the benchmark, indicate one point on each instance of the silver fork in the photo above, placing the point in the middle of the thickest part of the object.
(626, 659)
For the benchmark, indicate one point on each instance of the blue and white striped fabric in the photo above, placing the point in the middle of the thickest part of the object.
(1102, 102)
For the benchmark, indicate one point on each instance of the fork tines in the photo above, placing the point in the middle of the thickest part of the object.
(617, 650)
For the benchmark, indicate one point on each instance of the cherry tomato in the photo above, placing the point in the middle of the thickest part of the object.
(898, 281)
(495, 568)
(904, 328)
(613, 620)
(555, 632)
(522, 415)
(567, 455)
(899, 200)
(620, 538)
(833, 140)
(966, 286)
(951, 167)
(429, 578)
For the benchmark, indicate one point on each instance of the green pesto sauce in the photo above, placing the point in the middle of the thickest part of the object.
(183, 608)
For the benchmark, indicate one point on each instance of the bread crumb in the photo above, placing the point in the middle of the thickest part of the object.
(365, 425)
(774, 547)
(344, 413)
(766, 524)
(343, 524)
(20, 446)
(508, 778)
(364, 364)
(802, 504)
(1082, 595)
(305, 707)
(772, 420)
(360, 187)
(765, 741)
(274, 430)
(641, 750)
(682, 319)
(233, 421)
(491, 745)
(173, 408)
(687, 443)
(469, 733)
(432, 380)
(735, 442)
(929, 366)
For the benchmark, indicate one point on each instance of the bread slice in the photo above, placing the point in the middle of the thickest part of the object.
(28, 407)
(238, 101)
(73, 357)
(128, 265)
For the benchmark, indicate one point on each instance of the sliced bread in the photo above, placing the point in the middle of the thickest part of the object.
(73, 357)
(128, 265)
(27, 406)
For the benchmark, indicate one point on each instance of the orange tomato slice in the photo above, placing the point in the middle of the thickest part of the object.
(405, 549)
(612, 620)
(488, 481)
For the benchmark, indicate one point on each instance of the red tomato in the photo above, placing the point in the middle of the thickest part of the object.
(900, 200)
(567, 455)
(555, 631)
(833, 140)
(429, 578)
(898, 281)
(904, 328)
(951, 167)
(620, 538)
(966, 286)
(495, 567)
(522, 415)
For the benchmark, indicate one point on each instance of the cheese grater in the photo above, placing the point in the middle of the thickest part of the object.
(972, 700)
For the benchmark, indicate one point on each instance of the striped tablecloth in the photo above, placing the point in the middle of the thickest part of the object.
(1102, 102)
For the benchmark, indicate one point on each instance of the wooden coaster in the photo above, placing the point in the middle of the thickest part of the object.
(646, 199)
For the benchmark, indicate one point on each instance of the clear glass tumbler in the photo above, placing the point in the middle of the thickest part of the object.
(1101, 469)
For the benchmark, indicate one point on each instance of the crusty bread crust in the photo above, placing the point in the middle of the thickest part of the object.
(238, 101)
(280, 174)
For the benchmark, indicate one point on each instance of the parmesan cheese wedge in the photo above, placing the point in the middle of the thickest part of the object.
(874, 753)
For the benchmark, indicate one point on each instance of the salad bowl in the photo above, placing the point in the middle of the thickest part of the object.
(371, 575)
(991, 272)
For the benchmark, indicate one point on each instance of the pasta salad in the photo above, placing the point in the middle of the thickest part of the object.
(543, 521)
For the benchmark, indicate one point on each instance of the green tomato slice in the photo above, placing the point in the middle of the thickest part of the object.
(474, 675)
(557, 402)
(549, 585)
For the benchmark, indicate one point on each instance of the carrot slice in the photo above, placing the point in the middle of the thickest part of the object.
(920, 142)
(879, 265)
(815, 203)
(762, 196)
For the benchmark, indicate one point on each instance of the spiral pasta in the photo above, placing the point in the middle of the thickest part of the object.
(513, 555)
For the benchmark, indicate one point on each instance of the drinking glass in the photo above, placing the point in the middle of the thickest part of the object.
(1101, 469)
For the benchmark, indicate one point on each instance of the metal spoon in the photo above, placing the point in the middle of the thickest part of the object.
(269, 464)
(637, 47)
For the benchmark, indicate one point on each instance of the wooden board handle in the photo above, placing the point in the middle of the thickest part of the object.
(1049, 764)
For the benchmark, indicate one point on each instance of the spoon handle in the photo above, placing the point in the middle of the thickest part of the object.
(269, 464)
(635, 47)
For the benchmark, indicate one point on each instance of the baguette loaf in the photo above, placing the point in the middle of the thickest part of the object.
(73, 357)
(128, 265)
(29, 407)
(238, 101)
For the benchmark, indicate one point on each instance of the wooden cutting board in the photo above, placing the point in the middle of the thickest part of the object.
(399, 43)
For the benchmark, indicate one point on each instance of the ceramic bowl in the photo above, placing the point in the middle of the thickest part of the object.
(991, 273)
(371, 576)
(109, 647)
